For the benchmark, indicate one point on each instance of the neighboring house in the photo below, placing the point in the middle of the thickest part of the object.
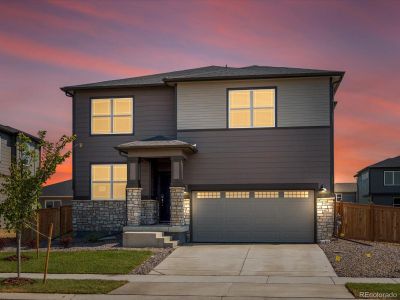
(346, 191)
(219, 154)
(8, 151)
(57, 194)
(380, 183)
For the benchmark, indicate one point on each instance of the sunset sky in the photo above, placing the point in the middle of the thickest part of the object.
(48, 44)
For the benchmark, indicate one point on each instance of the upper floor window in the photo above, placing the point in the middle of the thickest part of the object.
(112, 116)
(252, 108)
(392, 178)
(109, 181)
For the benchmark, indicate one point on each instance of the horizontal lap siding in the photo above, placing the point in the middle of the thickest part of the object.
(154, 114)
(300, 102)
(5, 159)
(266, 156)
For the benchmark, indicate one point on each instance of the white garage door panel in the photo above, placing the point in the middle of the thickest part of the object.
(254, 219)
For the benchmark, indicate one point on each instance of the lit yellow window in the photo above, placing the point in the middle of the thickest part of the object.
(252, 108)
(112, 116)
(109, 182)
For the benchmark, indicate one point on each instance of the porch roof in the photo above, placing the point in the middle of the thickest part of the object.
(157, 144)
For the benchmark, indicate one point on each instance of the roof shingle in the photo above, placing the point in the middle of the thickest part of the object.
(206, 73)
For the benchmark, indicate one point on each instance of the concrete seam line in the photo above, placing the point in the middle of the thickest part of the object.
(244, 261)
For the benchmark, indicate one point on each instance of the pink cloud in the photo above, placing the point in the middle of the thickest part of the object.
(61, 57)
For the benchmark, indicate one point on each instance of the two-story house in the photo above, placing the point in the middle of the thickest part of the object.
(8, 151)
(380, 183)
(220, 154)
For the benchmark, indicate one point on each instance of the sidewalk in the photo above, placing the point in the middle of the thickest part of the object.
(331, 280)
(157, 287)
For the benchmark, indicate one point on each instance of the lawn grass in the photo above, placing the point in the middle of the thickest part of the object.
(74, 262)
(380, 288)
(65, 286)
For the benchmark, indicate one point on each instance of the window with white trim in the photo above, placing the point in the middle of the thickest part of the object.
(339, 196)
(251, 108)
(112, 116)
(391, 178)
(109, 181)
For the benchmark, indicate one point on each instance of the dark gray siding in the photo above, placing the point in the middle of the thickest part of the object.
(384, 199)
(258, 156)
(154, 114)
(348, 197)
(377, 182)
(363, 187)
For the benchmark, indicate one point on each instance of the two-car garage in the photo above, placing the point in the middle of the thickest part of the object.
(283, 216)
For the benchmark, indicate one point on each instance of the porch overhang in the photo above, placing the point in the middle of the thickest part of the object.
(157, 148)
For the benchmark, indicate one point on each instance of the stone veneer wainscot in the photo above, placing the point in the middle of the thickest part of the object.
(325, 219)
(109, 215)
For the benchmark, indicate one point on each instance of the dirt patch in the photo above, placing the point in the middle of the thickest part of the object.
(15, 258)
(15, 281)
(153, 261)
(351, 259)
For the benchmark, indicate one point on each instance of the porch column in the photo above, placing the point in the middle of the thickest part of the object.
(133, 193)
(177, 191)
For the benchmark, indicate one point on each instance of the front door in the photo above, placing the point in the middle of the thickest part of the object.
(164, 180)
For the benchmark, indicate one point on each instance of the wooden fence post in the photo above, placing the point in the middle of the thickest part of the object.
(372, 222)
(46, 267)
(37, 233)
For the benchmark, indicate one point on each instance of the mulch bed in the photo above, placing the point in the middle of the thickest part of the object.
(152, 262)
(15, 281)
(351, 259)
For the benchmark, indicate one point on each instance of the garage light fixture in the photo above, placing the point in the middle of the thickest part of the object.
(323, 189)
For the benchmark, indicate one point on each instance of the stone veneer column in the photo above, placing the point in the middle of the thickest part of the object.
(177, 206)
(325, 219)
(133, 206)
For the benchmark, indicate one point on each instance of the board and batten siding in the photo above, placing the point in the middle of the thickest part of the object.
(300, 102)
(154, 114)
(267, 156)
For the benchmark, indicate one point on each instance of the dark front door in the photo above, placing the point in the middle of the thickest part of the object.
(164, 180)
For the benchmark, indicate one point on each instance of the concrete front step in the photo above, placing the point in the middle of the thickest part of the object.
(135, 239)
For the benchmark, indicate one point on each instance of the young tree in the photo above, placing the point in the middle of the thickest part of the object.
(29, 170)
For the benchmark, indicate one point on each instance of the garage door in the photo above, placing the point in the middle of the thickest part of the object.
(253, 216)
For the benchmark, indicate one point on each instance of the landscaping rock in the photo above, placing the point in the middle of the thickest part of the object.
(158, 256)
(358, 260)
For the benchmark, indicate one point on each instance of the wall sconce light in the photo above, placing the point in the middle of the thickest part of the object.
(323, 189)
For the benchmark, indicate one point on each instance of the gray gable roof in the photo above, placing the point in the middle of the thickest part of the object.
(62, 189)
(393, 162)
(206, 73)
(13, 131)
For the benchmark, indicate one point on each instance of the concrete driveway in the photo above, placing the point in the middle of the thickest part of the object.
(256, 260)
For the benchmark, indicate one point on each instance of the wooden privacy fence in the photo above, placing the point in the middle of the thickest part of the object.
(61, 217)
(369, 222)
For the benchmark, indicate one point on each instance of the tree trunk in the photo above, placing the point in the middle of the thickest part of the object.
(19, 236)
